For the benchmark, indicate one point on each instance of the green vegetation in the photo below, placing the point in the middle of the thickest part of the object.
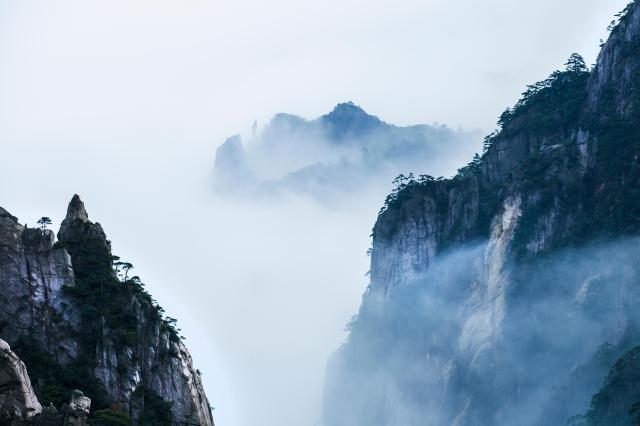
(621, 17)
(108, 417)
(157, 411)
(104, 291)
(54, 384)
(109, 302)
(58, 245)
(547, 108)
(601, 201)
(618, 402)
(44, 222)
(402, 186)
(472, 168)
(617, 181)
(553, 102)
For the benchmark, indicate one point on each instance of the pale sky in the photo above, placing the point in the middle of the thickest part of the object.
(210, 67)
(124, 102)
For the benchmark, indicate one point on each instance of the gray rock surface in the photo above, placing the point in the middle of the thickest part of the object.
(461, 355)
(17, 399)
(34, 273)
(77, 412)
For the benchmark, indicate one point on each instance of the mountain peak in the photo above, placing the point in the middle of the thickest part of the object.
(349, 120)
(349, 105)
(76, 210)
(71, 228)
(350, 110)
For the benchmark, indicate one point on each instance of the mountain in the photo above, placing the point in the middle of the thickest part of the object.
(17, 399)
(336, 154)
(77, 319)
(508, 294)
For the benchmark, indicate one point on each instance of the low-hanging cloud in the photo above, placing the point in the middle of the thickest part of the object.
(568, 316)
(336, 156)
(124, 103)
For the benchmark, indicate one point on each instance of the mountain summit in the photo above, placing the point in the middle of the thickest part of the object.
(339, 153)
(348, 120)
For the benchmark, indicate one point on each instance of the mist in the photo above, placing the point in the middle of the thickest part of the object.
(335, 157)
(262, 291)
(262, 288)
(418, 355)
(125, 103)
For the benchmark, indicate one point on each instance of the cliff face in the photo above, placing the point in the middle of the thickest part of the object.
(78, 321)
(493, 294)
(17, 399)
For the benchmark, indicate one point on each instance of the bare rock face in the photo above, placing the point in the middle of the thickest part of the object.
(617, 65)
(18, 401)
(51, 299)
(77, 411)
(32, 275)
(76, 210)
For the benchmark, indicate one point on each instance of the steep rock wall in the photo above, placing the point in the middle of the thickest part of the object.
(17, 398)
(64, 309)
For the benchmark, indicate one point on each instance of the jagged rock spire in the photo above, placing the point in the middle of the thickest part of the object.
(76, 210)
(72, 227)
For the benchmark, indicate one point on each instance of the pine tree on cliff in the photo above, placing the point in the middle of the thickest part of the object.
(576, 64)
(44, 222)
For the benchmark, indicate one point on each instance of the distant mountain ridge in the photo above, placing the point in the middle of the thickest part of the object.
(340, 152)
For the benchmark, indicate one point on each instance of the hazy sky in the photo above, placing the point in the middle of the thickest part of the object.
(124, 102)
(211, 68)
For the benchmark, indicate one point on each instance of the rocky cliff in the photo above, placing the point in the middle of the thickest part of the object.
(502, 296)
(77, 319)
(17, 399)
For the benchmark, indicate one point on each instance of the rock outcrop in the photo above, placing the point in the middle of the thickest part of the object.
(79, 324)
(77, 412)
(18, 401)
(493, 294)
(19, 405)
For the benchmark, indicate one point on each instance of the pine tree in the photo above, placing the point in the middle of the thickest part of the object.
(43, 222)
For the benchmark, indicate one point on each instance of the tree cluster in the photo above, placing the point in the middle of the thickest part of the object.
(402, 185)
